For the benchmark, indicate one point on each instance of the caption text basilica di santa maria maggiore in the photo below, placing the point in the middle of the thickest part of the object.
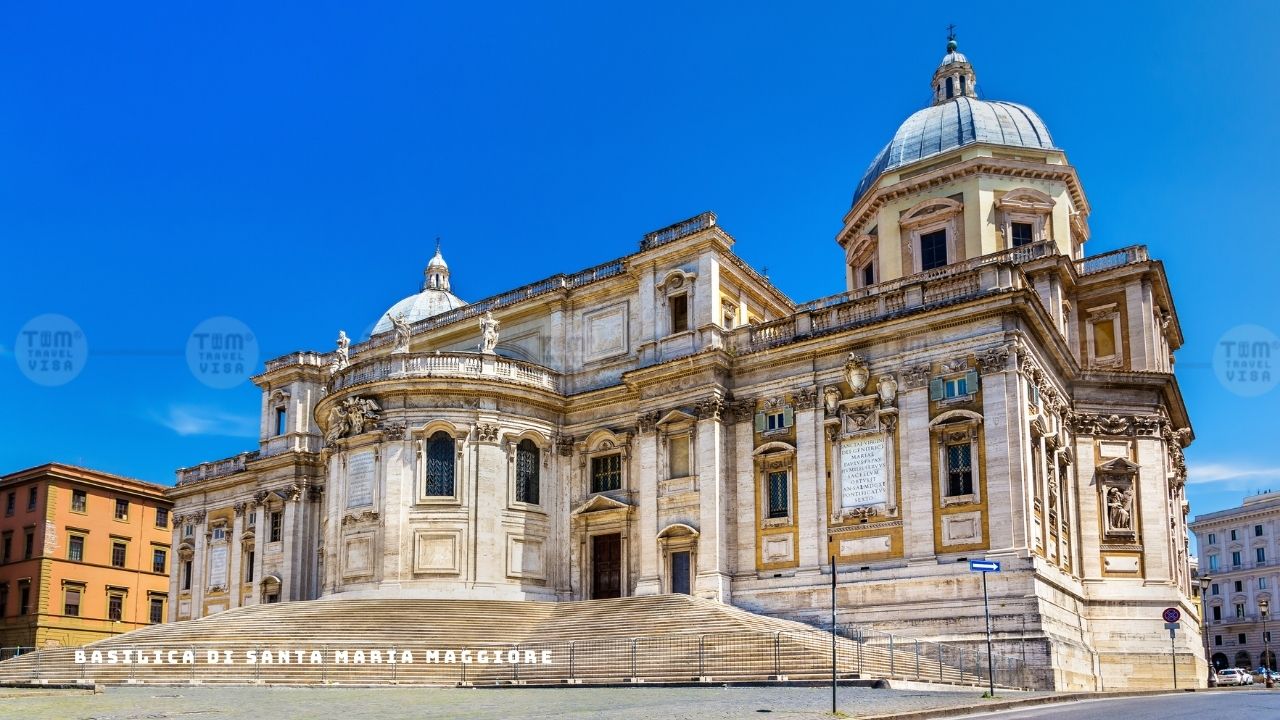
(671, 422)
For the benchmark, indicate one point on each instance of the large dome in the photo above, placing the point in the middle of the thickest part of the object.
(434, 299)
(957, 118)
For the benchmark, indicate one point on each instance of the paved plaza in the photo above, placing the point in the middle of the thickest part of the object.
(704, 703)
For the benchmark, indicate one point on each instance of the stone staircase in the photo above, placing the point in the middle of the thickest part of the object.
(665, 638)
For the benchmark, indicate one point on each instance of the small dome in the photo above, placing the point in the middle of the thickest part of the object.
(956, 118)
(434, 299)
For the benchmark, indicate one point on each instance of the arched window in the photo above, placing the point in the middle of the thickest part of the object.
(951, 88)
(528, 460)
(440, 452)
(1242, 660)
(1219, 661)
(962, 84)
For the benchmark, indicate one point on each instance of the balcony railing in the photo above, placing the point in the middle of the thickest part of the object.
(215, 468)
(454, 365)
(1112, 260)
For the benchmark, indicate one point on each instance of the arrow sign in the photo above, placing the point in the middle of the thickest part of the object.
(984, 566)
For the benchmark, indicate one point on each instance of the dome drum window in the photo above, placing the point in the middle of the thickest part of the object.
(1023, 216)
(933, 233)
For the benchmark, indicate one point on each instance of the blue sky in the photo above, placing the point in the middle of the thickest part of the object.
(289, 166)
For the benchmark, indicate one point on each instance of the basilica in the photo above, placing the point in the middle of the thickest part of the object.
(672, 422)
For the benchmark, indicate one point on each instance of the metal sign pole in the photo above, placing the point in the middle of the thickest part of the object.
(1173, 654)
(833, 634)
(991, 674)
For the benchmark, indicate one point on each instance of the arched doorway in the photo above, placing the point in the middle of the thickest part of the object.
(1219, 661)
(1242, 660)
(1268, 659)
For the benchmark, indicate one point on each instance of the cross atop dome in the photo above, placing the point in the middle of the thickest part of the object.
(954, 77)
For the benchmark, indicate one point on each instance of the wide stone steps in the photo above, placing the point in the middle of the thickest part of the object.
(667, 638)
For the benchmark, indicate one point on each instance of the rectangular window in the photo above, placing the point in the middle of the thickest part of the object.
(71, 602)
(186, 574)
(1235, 557)
(959, 469)
(678, 456)
(122, 509)
(31, 498)
(956, 387)
(159, 560)
(1104, 339)
(282, 421)
(79, 500)
(779, 494)
(4, 600)
(30, 545)
(188, 530)
(1217, 612)
(868, 275)
(933, 250)
(1234, 536)
(1257, 531)
(1021, 232)
(1213, 562)
(1213, 589)
(1260, 554)
(115, 607)
(1240, 612)
(1217, 639)
(248, 566)
(1241, 638)
(119, 551)
(1266, 636)
(1239, 586)
(277, 521)
(157, 610)
(219, 533)
(528, 472)
(10, 502)
(1213, 539)
(606, 473)
(775, 421)
(75, 548)
(679, 312)
(24, 600)
(8, 547)
(162, 517)
(253, 518)
(1262, 583)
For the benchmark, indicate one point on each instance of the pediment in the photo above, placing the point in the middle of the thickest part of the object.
(678, 530)
(676, 417)
(1119, 466)
(600, 504)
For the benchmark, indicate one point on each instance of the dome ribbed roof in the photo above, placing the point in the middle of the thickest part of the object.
(953, 124)
(434, 299)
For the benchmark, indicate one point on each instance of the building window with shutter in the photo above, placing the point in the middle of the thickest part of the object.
(75, 548)
(159, 560)
(679, 313)
(156, 615)
(528, 473)
(115, 607)
(955, 387)
(119, 553)
(79, 501)
(71, 601)
(277, 524)
(606, 473)
(775, 419)
(441, 451)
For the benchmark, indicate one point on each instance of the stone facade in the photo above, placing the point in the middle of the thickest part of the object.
(1238, 556)
(672, 422)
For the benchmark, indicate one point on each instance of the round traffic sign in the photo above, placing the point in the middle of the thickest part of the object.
(1171, 615)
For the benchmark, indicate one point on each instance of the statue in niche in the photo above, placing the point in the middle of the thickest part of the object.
(1120, 508)
(402, 331)
(887, 388)
(342, 357)
(488, 333)
(856, 373)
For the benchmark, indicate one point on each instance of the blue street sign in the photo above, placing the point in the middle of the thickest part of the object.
(984, 565)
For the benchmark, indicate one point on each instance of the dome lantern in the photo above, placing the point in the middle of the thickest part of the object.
(954, 77)
(436, 276)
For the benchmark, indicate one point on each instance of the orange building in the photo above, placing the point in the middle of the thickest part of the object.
(83, 555)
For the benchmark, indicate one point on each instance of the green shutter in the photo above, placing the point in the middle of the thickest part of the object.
(759, 422)
(788, 416)
(935, 389)
(971, 382)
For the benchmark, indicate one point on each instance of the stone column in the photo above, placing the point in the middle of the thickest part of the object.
(199, 567)
(745, 491)
(713, 578)
(809, 479)
(288, 527)
(917, 450)
(1089, 521)
(1002, 412)
(259, 542)
(646, 482)
(336, 487)
(488, 541)
(175, 567)
(1154, 508)
(235, 576)
(392, 496)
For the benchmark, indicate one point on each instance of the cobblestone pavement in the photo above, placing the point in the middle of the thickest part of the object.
(703, 703)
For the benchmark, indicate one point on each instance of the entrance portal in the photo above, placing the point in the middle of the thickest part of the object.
(680, 572)
(606, 566)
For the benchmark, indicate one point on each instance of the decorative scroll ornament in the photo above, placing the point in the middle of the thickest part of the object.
(915, 377)
(831, 399)
(403, 333)
(488, 333)
(806, 398)
(564, 445)
(486, 432)
(352, 416)
(711, 408)
(646, 422)
(993, 360)
(856, 373)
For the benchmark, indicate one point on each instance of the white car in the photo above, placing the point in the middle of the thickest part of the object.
(1234, 676)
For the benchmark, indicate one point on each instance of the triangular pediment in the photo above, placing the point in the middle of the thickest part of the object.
(675, 417)
(601, 503)
(1118, 466)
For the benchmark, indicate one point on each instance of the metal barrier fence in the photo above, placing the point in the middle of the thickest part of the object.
(12, 652)
(706, 657)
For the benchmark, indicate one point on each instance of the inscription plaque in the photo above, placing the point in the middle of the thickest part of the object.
(360, 480)
(864, 478)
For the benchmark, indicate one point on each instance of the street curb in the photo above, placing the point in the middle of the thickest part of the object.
(1024, 702)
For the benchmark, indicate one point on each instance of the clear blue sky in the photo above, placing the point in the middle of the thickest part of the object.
(290, 166)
